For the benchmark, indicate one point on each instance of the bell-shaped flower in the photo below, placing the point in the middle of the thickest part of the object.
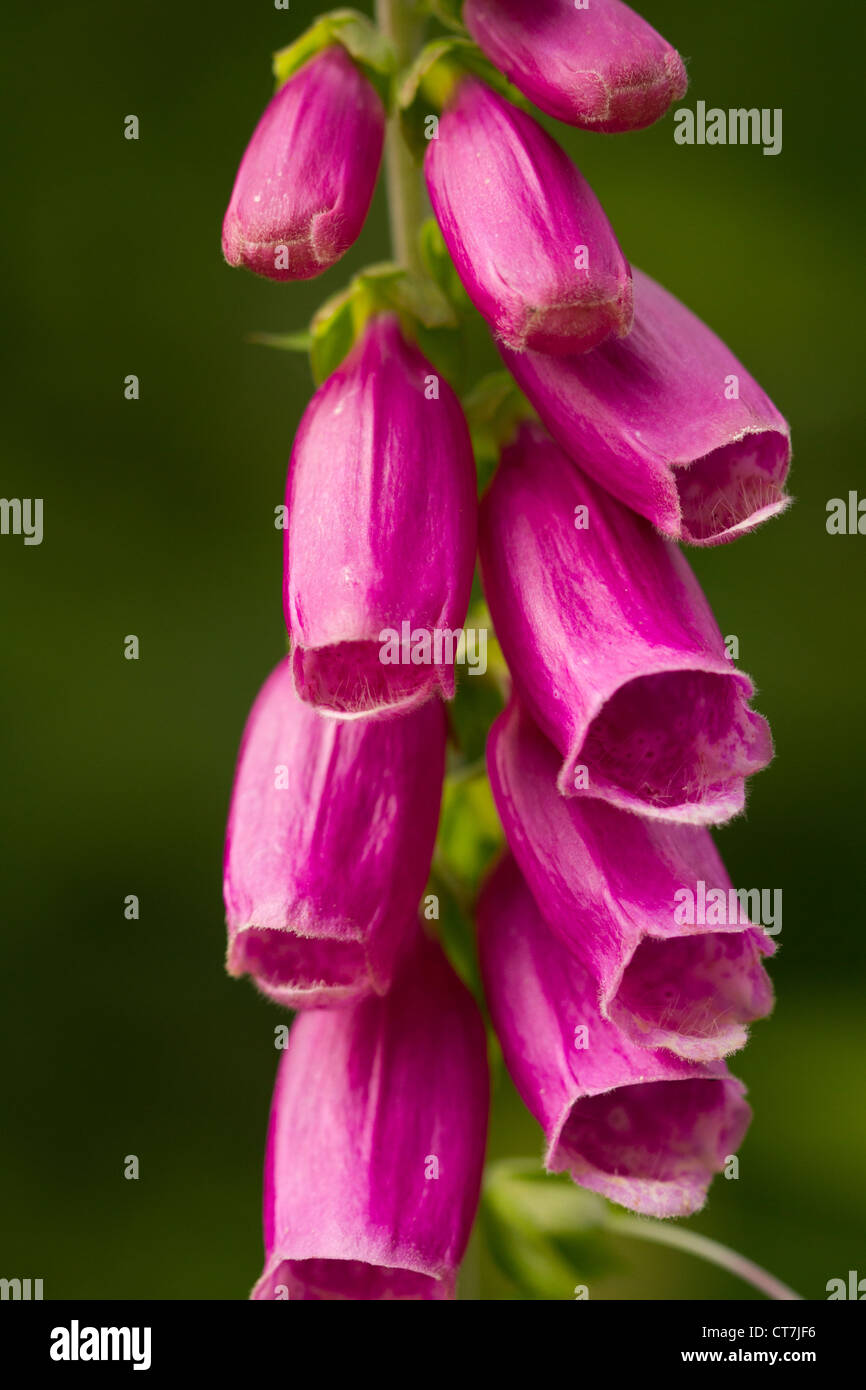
(328, 847)
(376, 1142)
(668, 421)
(598, 65)
(645, 905)
(304, 185)
(528, 236)
(644, 1128)
(612, 646)
(381, 533)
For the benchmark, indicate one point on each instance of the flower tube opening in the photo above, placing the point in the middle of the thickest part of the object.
(733, 489)
(674, 744)
(652, 1146)
(693, 994)
(334, 1280)
(299, 971)
(349, 680)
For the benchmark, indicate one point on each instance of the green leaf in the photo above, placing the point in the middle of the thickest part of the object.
(545, 1233)
(357, 34)
(289, 342)
(456, 934)
(448, 12)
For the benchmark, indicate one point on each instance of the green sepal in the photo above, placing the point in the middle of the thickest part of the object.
(461, 355)
(422, 89)
(333, 331)
(439, 265)
(340, 321)
(545, 1233)
(361, 40)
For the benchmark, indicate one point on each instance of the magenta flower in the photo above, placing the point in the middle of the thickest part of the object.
(307, 176)
(668, 421)
(527, 234)
(601, 67)
(612, 646)
(381, 533)
(607, 884)
(376, 1143)
(644, 1128)
(328, 846)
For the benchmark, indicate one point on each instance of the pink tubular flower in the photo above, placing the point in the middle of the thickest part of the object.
(381, 497)
(307, 176)
(328, 846)
(527, 234)
(376, 1143)
(668, 421)
(646, 1129)
(611, 886)
(612, 646)
(601, 67)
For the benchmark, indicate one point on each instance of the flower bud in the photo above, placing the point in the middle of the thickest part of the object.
(528, 236)
(614, 886)
(328, 847)
(376, 1143)
(599, 66)
(668, 421)
(380, 544)
(612, 646)
(645, 1129)
(307, 176)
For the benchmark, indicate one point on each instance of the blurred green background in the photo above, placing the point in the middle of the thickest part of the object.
(125, 1037)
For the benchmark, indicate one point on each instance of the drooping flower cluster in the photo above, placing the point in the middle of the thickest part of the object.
(628, 730)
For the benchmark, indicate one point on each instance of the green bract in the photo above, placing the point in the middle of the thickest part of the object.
(360, 38)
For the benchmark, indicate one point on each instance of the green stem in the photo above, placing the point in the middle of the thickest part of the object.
(705, 1249)
(400, 22)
